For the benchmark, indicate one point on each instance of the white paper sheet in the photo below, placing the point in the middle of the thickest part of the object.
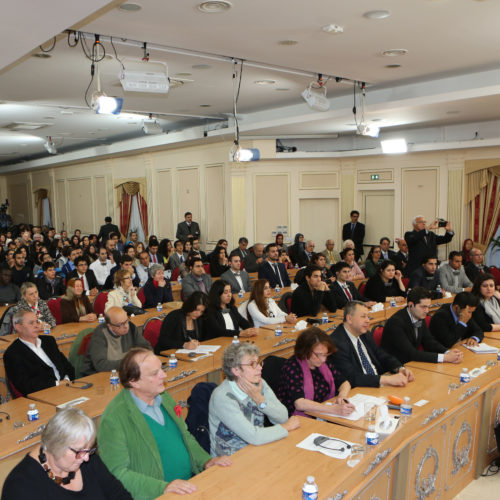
(482, 348)
(359, 401)
(201, 349)
(308, 444)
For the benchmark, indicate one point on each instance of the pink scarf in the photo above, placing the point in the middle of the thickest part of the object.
(309, 385)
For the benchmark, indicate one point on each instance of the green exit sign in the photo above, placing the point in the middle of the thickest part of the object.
(374, 177)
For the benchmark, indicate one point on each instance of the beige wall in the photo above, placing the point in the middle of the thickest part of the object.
(251, 199)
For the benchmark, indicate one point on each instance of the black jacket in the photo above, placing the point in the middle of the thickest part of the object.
(106, 230)
(358, 235)
(482, 319)
(472, 271)
(154, 294)
(46, 290)
(399, 340)
(346, 359)
(109, 284)
(376, 290)
(307, 303)
(89, 274)
(266, 272)
(214, 325)
(419, 277)
(173, 333)
(418, 247)
(341, 298)
(447, 332)
(28, 373)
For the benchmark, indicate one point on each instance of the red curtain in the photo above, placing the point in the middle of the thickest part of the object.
(486, 212)
(125, 210)
(143, 213)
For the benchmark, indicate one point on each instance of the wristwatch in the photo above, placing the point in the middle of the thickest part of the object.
(263, 405)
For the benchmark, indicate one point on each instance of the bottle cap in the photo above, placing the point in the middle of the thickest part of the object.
(32, 406)
(407, 399)
(371, 428)
(464, 370)
(310, 479)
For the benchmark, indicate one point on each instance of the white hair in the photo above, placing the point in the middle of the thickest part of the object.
(414, 221)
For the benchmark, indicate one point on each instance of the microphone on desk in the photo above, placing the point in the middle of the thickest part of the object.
(86, 385)
(4, 413)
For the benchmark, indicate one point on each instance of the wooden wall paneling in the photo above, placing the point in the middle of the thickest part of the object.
(319, 220)
(188, 190)
(61, 213)
(378, 216)
(165, 217)
(80, 196)
(214, 203)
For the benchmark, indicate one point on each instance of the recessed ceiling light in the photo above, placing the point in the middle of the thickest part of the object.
(453, 112)
(49, 117)
(377, 119)
(214, 6)
(183, 75)
(130, 7)
(333, 29)
(41, 55)
(205, 105)
(92, 133)
(288, 42)
(66, 112)
(108, 57)
(377, 14)
(264, 82)
(394, 52)
(392, 66)
(201, 66)
(282, 89)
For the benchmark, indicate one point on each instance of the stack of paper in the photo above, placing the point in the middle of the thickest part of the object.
(482, 348)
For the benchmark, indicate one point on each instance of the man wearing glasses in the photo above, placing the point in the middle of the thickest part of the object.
(110, 342)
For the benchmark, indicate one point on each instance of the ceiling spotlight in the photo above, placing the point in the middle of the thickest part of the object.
(315, 95)
(50, 146)
(238, 154)
(151, 127)
(394, 146)
(105, 105)
(333, 29)
(144, 76)
(377, 14)
(368, 130)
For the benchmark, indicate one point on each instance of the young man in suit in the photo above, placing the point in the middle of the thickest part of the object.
(354, 231)
(197, 280)
(236, 277)
(358, 357)
(453, 322)
(187, 228)
(452, 275)
(387, 253)
(272, 270)
(86, 275)
(406, 331)
(107, 229)
(401, 257)
(344, 290)
(34, 362)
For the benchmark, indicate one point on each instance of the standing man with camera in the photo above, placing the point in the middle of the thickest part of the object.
(423, 241)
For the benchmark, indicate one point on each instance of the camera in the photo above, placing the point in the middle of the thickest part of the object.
(442, 223)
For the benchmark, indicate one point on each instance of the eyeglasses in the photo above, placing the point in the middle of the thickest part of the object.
(267, 287)
(120, 325)
(320, 355)
(79, 454)
(254, 364)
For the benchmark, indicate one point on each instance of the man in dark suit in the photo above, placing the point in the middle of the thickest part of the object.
(49, 285)
(126, 263)
(406, 331)
(304, 258)
(187, 228)
(197, 250)
(387, 253)
(86, 275)
(107, 229)
(33, 362)
(308, 298)
(354, 231)
(453, 322)
(241, 250)
(344, 290)
(236, 277)
(272, 270)
(476, 266)
(254, 259)
(155, 256)
(422, 241)
(427, 276)
(21, 272)
(401, 257)
(358, 358)
(317, 259)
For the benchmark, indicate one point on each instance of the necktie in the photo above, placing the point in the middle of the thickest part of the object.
(277, 272)
(155, 260)
(352, 229)
(83, 282)
(181, 259)
(364, 360)
(348, 293)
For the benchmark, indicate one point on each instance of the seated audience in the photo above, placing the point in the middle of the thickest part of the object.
(239, 405)
(222, 318)
(65, 465)
(142, 440)
(177, 257)
(405, 332)
(466, 250)
(30, 302)
(297, 249)
(197, 250)
(110, 342)
(476, 265)
(272, 270)
(241, 251)
(157, 289)
(255, 258)
(219, 262)
(125, 264)
(154, 254)
(401, 257)
(344, 290)
(304, 258)
(310, 295)
(309, 378)
(262, 309)
(319, 260)
(348, 256)
(101, 267)
(85, 275)
(21, 272)
(487, 314)
(238, 278)
(124, 293)
(359, 358)
(427, 276)
(143, 267)
(197, 280)
(183, 327)
(452, 275)
(34, 362)
(387, 283)
(373, 260)
(331, 255)
(49, 285)
(75, 305)
(69, 266)
(453, 322)
(9, 292)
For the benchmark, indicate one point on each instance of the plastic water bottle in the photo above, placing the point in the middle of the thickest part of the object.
(236, 340)
(371, 436)
(465, 376)
(100, 319)
(498, 356)
(114, 380)
(310, 489)
(324, 318)
(296, 266)
(278, 332)
(406, 407)
(46, 329)
(33, 413)
(277, 288)
(241, 293)
(393, 302)
(172, 361)
(179, 280)
(438, 289)
(159, 307)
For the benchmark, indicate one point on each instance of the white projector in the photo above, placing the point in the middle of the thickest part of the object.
(139, 76)
(151, 127)
(316, 98)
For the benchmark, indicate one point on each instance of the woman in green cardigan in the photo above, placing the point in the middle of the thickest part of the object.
(142, 436)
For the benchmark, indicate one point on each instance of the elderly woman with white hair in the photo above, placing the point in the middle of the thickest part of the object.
(65, 465)
(239, 404)
(157, 289)
(30, 301)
